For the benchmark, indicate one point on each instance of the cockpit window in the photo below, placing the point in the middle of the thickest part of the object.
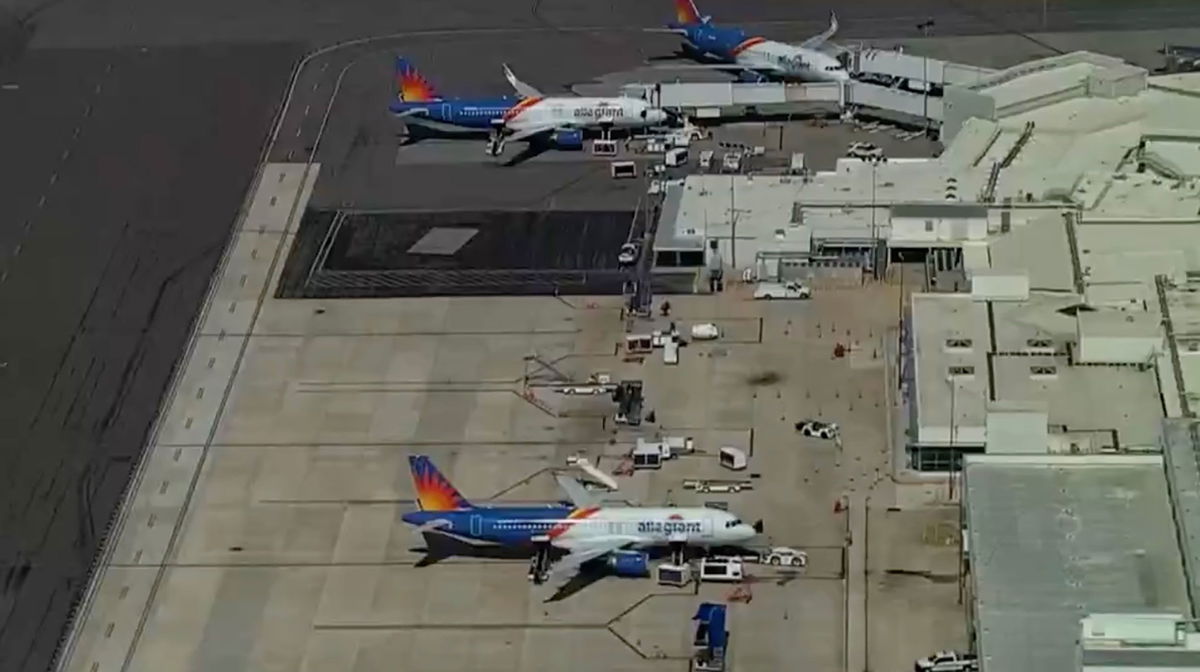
(733, 523)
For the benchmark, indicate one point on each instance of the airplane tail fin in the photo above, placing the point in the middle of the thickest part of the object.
(686, 13)
(434, 492)
(411, 85)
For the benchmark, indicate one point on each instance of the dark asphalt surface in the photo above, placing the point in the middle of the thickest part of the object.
(132, 22)
(100, 281)
(510, 253)
(123, 172)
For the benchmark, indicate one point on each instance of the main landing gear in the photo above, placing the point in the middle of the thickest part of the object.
(539, 564)
(495, 146)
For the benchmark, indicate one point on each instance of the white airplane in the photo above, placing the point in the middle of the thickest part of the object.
(536, 113)
(765, 58)
(524, 117)
(582, 532)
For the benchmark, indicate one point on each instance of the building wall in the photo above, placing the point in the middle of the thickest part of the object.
(997, 286)
(960, 104)
(938, 229)
(1117, 349)
(960, 434)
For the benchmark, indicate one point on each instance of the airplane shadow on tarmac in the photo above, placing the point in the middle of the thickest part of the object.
(438, 548)
(532, 148)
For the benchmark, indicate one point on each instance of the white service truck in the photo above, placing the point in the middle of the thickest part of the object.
(782, 290)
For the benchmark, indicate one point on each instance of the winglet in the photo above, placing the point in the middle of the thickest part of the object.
(524, 90)
(817, 40)
(434, 492)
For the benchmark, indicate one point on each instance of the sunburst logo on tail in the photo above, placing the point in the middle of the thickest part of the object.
(434, 492)
(413, 86)
(685, 12)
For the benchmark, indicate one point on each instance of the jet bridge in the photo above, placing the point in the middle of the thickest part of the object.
(897, 64)
(730, 100)
(899, 86)
(714, 100)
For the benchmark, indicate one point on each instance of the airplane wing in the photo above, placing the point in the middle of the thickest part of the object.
(817, 40)
(523, 89)
(434, 525)
(526, 132)
(578, 494)
(586, 551)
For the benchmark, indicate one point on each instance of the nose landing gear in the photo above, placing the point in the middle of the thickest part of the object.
(678, 553)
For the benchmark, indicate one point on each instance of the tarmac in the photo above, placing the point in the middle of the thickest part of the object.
(339, 108)
(265, 530)
(175, 22)
(117, 206)
(154, 174)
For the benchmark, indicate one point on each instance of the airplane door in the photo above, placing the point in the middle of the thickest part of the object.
(446, 111)
(476, 525)
(706, 528)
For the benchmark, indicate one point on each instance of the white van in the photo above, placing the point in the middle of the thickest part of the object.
(721, 569)
(706, 158)
(677, 157)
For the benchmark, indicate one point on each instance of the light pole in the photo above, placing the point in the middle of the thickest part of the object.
(925, 28)
(950, 465)
(732, 225)
(874, 232)
(874, 161)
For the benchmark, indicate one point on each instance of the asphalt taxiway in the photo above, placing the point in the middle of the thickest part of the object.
(102, 308)
(123, 172)
(173, 22)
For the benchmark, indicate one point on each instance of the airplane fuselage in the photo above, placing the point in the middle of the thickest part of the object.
(518, 113)
(734, 46)
(562, 526)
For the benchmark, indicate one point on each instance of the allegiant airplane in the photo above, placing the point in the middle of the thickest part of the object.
(530, 115)
(738, 51)
(585, 530)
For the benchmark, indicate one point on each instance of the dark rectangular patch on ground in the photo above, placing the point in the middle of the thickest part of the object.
(123, 173)
(348, 254)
